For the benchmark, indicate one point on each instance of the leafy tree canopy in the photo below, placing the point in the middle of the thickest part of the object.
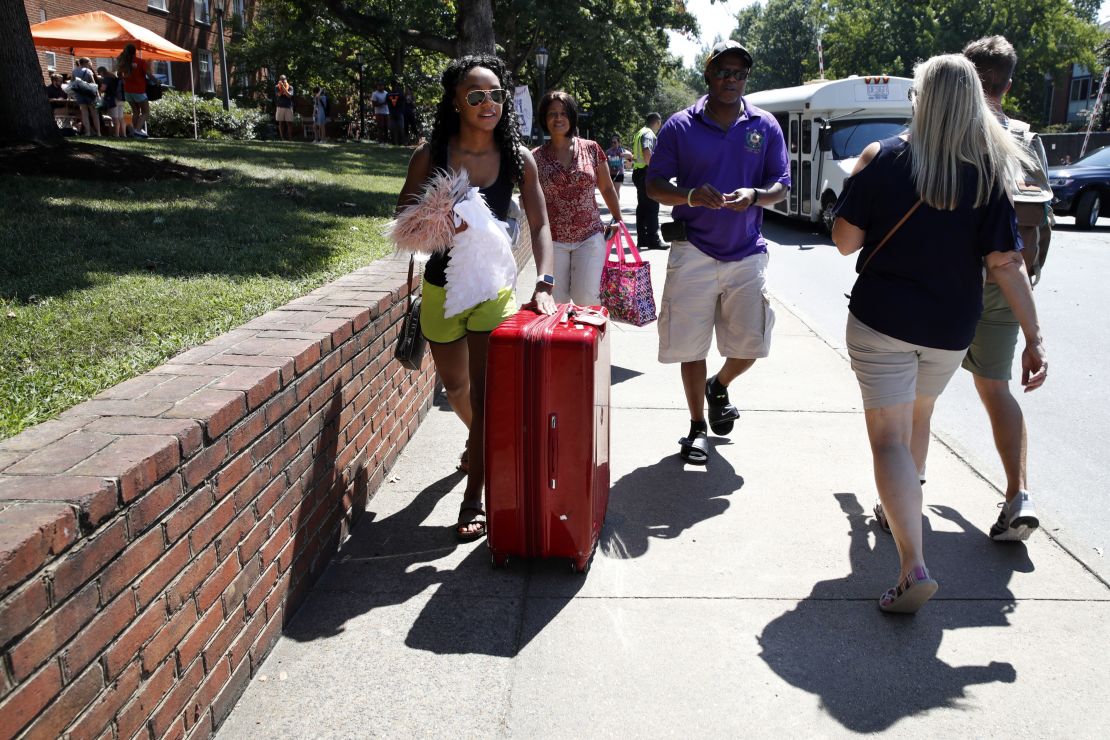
(610, 54)
(864, 37)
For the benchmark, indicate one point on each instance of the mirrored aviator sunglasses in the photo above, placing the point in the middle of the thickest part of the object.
(476, 97)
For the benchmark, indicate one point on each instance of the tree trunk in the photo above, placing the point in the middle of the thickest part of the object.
(474, 24)
(24, 110)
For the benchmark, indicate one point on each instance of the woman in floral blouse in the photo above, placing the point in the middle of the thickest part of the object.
(570, 169)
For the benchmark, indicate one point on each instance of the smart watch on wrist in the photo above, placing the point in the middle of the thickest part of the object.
(546, 280)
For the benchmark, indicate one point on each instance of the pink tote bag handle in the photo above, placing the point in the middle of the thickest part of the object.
(623, 233)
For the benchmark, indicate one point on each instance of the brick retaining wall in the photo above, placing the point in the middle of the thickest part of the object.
(155, 539)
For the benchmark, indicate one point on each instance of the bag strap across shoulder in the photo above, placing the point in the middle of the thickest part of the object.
(889, 234)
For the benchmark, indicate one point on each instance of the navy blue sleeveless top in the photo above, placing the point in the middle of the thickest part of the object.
(498, 196)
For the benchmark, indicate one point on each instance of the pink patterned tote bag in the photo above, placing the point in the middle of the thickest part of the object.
(626, 283)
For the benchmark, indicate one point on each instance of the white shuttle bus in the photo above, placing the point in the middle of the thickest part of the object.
(826, 126)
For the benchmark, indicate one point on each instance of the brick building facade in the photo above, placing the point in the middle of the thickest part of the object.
(190, 24)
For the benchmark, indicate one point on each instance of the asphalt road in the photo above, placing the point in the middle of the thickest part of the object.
(1068, 419)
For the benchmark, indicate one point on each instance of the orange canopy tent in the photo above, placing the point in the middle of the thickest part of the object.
(92, 34)
(103, 34)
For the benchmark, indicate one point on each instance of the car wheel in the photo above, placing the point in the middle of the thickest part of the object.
(1086, 213)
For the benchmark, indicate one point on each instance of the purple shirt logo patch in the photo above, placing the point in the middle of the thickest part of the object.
(753, 141)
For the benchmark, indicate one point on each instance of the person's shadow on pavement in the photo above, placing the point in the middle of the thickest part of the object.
(871, 669)
(663, 500)
(384, 563)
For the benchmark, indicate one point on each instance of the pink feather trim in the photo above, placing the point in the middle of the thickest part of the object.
(428, 226)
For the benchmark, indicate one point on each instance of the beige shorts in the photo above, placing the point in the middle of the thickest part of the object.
(283, 114)
(892, 372)
(703, 296)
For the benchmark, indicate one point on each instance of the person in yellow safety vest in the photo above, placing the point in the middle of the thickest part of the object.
(647, 210)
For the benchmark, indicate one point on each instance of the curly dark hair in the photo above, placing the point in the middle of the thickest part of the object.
(507, 133)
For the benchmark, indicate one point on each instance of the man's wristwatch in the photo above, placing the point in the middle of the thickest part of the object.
(548, 280)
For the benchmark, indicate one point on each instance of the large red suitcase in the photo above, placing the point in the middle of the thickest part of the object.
(547, 435)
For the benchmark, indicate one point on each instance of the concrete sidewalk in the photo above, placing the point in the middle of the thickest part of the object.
(737, 599)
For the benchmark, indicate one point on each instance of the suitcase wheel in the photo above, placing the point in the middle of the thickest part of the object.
(581, 565)
(498, 560)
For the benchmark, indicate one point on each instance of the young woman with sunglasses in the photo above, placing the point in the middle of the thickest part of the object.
(476, 129)
(571, 169)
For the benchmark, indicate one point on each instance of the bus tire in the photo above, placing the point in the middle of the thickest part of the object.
(828, 200)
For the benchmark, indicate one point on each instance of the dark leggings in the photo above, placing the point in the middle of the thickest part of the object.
(647, 212)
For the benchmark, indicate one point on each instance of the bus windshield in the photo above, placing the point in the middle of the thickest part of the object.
(850, 138)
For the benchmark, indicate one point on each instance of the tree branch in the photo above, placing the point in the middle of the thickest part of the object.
(373, 23)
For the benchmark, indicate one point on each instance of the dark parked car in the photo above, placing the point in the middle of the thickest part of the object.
(1082, 189)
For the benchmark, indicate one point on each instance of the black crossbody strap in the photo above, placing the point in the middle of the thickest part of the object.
(885, 238)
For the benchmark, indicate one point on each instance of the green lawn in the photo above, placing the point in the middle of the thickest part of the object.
(101, 281)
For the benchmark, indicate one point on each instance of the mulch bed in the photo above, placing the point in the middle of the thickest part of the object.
(87, 161)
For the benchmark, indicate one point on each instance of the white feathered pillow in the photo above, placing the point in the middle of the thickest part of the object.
(482, 263)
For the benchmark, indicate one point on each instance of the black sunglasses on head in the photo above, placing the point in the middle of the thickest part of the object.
(477, 97)
(724, 74)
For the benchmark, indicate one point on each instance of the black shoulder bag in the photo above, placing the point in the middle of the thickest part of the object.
(411, 343)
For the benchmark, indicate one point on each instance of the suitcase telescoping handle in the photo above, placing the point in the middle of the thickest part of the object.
(552, 448)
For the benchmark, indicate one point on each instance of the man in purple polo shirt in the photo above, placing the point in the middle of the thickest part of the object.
(728, 160)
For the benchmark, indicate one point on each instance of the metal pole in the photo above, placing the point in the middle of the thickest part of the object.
(223, 57)
(361, 104)
(1095, 112)
(539, 99)
(193, 96)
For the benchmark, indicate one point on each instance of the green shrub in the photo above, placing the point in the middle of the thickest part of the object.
(172, 117)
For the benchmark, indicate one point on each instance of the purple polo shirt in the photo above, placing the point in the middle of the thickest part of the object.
(693, 150)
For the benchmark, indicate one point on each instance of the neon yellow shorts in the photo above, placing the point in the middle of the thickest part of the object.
(486, 316)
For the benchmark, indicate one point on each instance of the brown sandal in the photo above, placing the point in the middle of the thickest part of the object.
(463, 533)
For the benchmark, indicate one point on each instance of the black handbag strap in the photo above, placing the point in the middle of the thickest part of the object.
(885, 238)
(412, 265)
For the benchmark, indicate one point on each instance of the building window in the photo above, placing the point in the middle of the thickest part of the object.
(42, 15)
(161, 70)
(157, 5)
(204, 70)
(237, 9)
(200, 11)
(1080, 88)
(51, 59)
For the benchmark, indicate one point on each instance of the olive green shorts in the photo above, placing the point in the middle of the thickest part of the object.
(991, 354)
(486, 316)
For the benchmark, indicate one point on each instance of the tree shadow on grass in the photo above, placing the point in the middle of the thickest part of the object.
(870, 669)
(235, 228)
(241, 157)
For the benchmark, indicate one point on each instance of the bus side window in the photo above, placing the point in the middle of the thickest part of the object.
(794, 137)
(807, 137)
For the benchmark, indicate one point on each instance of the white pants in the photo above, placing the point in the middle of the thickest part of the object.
(578, 271)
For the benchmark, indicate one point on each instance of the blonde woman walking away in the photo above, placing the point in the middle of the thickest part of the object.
(926, 211)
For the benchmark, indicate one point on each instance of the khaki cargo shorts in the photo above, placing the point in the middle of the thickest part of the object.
(704, 296)
(991, 354)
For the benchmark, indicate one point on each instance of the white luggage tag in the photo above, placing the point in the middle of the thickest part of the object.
(590, 316)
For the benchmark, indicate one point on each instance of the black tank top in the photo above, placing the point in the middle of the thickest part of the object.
(498, 196)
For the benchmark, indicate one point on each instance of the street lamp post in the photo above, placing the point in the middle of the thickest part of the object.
(541, 67)
(223, 56)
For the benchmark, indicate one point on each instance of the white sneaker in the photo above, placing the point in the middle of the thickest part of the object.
(1017, 520)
